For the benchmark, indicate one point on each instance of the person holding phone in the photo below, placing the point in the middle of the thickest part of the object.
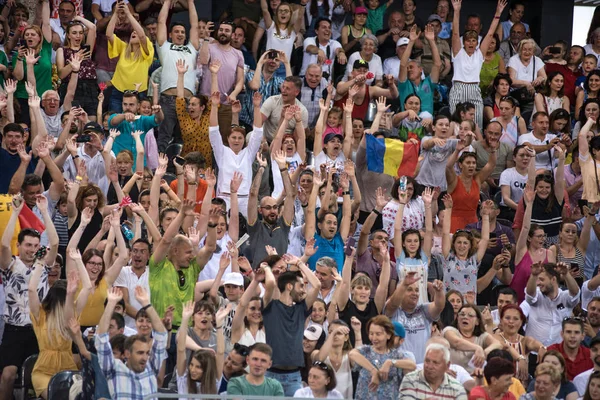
(80, 38)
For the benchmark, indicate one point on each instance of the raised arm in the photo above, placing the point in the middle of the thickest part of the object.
(193, 14)
(34, 280)
(75, 307)
(114, 296)
(403, 74)
(381, 293)
(456, 44)
(254, 189)
(559, 179)
(346, 207)
(446, 239)
(186, 314)
(46, 29)
(342, 293)
(493, 25)
(113, 272)
(486, 209)
(363, 241)
(290, 192)
(17, 205)
(266, 14)
(161, 32)
(310, 223)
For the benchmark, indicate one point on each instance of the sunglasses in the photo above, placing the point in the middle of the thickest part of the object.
(130, 92)
(467, 232)
(234, 126)
(321, 365)
(181, 278)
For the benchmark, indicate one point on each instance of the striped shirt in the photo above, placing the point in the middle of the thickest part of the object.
(414, 386)
(124, 384)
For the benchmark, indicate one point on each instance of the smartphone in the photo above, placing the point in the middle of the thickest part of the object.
(581, 203)
(86, 47)
(75, 104)
(554, 50)
(22, 42)
(349, 244)
(180, 160)
(493, 235)
(83, 138)
(272, 54)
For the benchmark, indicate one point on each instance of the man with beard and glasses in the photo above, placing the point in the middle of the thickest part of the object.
(231, 74)
(284, 321)
(136, 274)
(581, 380)
(170, 52)
(274, 226)
(549, 304)
(571, 71)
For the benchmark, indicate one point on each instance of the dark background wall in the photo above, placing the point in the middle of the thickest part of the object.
(550, 20)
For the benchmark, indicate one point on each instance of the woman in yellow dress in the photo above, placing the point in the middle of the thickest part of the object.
(50, 320)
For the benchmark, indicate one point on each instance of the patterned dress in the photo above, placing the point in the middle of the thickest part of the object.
(387, 389)
(460, 275)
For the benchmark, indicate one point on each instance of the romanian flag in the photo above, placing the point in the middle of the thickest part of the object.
(391, 156)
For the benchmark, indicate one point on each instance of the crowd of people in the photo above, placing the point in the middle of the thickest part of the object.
(199, 206)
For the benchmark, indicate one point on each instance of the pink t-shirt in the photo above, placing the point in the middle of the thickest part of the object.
(231, 60)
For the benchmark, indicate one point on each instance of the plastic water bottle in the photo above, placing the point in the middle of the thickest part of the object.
(402, 184)
(128, 233)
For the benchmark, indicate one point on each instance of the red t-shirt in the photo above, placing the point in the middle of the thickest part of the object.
(582, 361)
(200, 192)
(479, 392)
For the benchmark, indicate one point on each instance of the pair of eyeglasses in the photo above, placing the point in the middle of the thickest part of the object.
(467, 315)
(269, 208)
(234, 126)
(181, 278)
(147, 177)
(321, 365)
(94, 264)
(241, 349)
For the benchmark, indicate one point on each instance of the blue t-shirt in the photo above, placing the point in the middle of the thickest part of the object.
(9, 163)
(333, 248)
(125, 141)
(425, 91)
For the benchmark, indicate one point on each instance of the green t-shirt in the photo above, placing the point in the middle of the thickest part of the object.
(3, 61)
(165, 289)
(239, 385)
(42, 70)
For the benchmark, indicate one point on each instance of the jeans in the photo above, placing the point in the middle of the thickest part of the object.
(115, 103)
(169, 124)
(291, 381)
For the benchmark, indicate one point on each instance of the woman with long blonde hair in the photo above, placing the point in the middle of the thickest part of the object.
(50, 317)
(135, 57)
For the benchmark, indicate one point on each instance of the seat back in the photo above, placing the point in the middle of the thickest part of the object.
(26, 369)
(58, 388)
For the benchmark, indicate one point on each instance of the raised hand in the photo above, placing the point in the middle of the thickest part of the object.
(215, 98)
(10, 86)
(353, 91)
(188, 310)
(75, 62)
(181, 66)
(487, 207)
(448, 202)
(73, 282)
(536, 269)
(349, 168)
(381, 106)
(500, 7)
(411, 277)
(349, 106)
(141, 295)
(189, 173)
(74, 326)
(279, 157)
(256, 99)
(215, 66)
(261, 161)
(427, 196)
(456, 4)
(222, 313)
(224, 260)
(209, 177)
(413, 35)
(86, 216)
(236, 107)
(34, 102)
(236, 181)
(17, 203)
(528, 194)
(115, 295)
(289, 113)
(324, 107)
(429, 34)
(23, 154)
(30, 57)
(380, 198)
(310, 249)
(41, 202)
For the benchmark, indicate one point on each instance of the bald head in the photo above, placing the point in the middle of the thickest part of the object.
(269, 210)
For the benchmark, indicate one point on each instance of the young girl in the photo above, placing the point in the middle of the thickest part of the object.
(412, 123)
(412, 252)
(318, 316)
(203, 371)
(464, 112)
(351, 34)
(436, 151)
(513, 125)
(334, 147)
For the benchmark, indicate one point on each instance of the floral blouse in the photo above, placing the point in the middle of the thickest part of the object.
(460, 275)
(16, 281)
(413, 218)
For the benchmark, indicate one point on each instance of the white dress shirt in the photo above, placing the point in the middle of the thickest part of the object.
(546, 315)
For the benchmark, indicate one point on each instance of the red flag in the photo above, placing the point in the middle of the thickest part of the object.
(27, 219)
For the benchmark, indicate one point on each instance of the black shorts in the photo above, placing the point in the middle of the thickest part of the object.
(18, 343)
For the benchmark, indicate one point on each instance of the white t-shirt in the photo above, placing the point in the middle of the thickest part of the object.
(308, 58)
(129, 280)
(375, 66)
(587, 295)
(467, 68)
(322, 158)
(512, 178)
(525, 73)
(418, 329)
(391, 66)
(282, 42)
(293, 164)
(106, 5)
(542, 160)
(306, 393)
(211, 268)
(169, 54)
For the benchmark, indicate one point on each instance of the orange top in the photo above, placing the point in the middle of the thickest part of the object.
(200, 192)
(464, 210)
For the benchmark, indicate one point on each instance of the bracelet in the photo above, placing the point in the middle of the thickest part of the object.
(192, 183)
(304, 205)
(179, 174)
(212, 225)
(376, 211)
(282, 169)
(347, 192)
(78, 178)
(74, 72)
(145, 307)
(496, 17)
(232, 192)
(76, 156)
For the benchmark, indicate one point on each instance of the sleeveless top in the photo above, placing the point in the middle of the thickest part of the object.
(515, 345)
(343, 376)
(360, 110)
(550, 104)
(87, 69)
(489, 70)
(351, 37)
(579, 259)
(549, 221)
(90, 231)
(248, 340)
(522, 272)
(465, 205)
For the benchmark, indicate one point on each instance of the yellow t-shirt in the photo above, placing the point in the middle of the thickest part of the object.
(130, 70)
(591, 190)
